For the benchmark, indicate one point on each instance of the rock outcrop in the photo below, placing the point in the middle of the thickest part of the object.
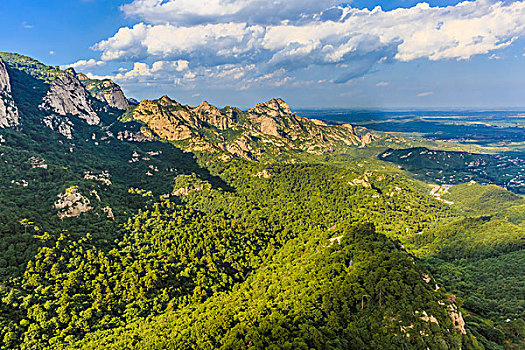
(103, 177)
(63, 125)
(168, 119)
(457, 318)
(8, 110)
(270, 126)
(263, 173)
(105, 91)
(72, 203)
(68, 96)
(131, 136)
(275, 118)
(37, 162)
(367, 139)
(212, 116)
(109, 213)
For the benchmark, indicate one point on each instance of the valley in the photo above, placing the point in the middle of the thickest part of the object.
(451, 167)
(156, 224)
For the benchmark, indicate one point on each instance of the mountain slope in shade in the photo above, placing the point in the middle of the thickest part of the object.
(49, 96)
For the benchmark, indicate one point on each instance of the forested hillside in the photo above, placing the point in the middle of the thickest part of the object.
(161, 225)
(446, 167)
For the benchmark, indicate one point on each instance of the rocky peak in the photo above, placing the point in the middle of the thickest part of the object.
(205, 109)
(106, 91)
(68, 96)
(82, 77)
(205, 106)
(133, 101)
(275, 106)
(267, 125)
(275, 118)
(8, 109)
(213, 116)
(113, 95)
(167, 118)
(166, 101)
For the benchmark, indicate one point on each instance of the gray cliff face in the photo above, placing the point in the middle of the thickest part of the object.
(8, 110)
(105, 91)
(68, 96)
(113, 96)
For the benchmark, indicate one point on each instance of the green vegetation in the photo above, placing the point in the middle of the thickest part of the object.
(30, 66)
(474, 199)
(158, 247)
(446, 167)
(480, 259)
(356, 294)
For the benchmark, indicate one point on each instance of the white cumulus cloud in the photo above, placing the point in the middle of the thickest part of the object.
(189, 12)
(159, 70)
(250, 39)
(227, 40)
(84, 64)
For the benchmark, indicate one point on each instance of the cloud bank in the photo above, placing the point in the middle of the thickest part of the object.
(267, 42)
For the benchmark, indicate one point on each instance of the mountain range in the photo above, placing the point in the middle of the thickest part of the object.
(153, 224)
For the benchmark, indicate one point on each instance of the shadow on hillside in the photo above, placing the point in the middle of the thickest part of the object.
(186, 163)
(27, 91)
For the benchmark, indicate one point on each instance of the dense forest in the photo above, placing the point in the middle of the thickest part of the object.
(118, 239)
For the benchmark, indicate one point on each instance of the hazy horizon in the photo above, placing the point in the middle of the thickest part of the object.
(313, 54)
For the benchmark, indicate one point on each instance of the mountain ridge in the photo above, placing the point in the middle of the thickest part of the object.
(240, 133)
(267, 131)
(138, 228)
(105, 90)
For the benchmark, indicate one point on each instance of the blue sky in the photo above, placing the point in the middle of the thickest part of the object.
(312, 53)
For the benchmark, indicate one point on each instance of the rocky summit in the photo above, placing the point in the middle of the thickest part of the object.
(63, 100)
(267, 129)
(105, 91)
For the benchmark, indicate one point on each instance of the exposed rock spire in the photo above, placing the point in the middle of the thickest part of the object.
(8, 110)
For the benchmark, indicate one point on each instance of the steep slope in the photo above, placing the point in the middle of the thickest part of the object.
(50, 97)
(107, 234)
(67, 96)
(105, 91)
(263, 132)
(8, 109)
